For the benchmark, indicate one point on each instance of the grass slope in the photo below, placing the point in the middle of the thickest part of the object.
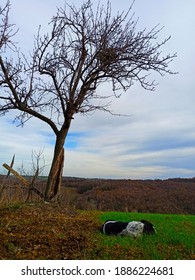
(175, 237)
(50, 232)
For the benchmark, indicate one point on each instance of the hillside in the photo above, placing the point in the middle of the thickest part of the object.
(61, 230)
(47, 231)
(176, 196)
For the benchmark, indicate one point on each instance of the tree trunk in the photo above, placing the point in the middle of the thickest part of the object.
(55, 175)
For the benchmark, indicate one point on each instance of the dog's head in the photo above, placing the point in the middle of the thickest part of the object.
(148, 227)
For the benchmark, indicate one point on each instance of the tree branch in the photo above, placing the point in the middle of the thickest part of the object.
(82, 50)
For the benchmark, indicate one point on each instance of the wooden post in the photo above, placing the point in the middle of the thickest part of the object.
(11, 165)
(28, 184)
(15, 173)
(3, 186)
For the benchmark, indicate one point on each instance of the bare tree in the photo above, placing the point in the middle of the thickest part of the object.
(84, 49)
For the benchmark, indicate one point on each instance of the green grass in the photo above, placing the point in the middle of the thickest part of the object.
(175, 238)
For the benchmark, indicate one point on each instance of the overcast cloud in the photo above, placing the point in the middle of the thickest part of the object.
(157, 140)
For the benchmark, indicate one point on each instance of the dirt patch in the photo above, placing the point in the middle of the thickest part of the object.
(45, 232)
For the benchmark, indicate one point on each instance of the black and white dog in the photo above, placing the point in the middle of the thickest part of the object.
(133, 229)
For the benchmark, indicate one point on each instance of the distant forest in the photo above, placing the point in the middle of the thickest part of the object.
(152, 196)
(174, 196)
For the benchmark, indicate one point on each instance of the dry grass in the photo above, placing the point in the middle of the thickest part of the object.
(45, 232)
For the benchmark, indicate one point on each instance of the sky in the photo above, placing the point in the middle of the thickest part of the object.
(156, 140)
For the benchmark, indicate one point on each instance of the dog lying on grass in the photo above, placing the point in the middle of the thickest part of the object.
(134, 229)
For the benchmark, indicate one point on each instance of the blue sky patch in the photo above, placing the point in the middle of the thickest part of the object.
(72, 139)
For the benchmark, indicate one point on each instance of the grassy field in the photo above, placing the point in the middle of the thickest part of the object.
(51, 232)
(175, 238)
